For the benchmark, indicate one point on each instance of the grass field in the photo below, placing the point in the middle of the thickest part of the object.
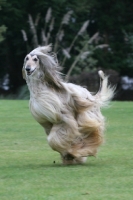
(28, 171)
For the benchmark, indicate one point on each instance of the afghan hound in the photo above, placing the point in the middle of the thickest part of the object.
(69, 113)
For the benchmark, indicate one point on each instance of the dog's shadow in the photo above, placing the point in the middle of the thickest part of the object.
(48, 166)
(34, 166)
(92, 163)
(53, 165)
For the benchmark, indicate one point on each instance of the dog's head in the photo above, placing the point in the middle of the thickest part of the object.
(31, 64)
(43, 65)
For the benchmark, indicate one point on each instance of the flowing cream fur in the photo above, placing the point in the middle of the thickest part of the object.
(69, 113)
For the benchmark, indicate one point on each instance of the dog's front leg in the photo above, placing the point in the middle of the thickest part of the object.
(59, 139)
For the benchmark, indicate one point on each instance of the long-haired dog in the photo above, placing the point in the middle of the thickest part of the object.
(69, 113)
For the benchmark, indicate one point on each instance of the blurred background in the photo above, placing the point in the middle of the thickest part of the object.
(87, 35)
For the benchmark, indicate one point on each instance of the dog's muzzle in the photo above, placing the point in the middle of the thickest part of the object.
(28, 70)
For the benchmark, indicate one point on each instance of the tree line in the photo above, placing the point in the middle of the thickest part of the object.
(86, 35)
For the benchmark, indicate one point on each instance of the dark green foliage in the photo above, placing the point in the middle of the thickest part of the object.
(129, 59)
(2, 30)
(111, 18)
(14, 15)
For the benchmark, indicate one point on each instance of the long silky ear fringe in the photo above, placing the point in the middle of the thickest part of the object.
(50, 69)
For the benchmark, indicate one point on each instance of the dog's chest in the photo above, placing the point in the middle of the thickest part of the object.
(45, 109)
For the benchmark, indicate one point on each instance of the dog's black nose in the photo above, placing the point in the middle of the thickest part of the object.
(27, 68)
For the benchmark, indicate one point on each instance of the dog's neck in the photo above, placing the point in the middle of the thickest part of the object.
(36, 86)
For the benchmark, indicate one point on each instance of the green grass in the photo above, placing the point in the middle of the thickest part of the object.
(27, 171)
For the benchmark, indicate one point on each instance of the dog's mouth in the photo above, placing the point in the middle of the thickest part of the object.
(30, 72)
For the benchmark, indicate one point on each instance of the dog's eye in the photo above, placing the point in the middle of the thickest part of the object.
(35, 59)
(26, 58)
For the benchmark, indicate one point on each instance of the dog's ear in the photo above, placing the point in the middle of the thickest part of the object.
(23, 73)
(51, 71)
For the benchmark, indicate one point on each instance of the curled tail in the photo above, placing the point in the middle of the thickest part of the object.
(106, 92)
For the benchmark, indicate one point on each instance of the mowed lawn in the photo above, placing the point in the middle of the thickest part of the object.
(30, 170)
